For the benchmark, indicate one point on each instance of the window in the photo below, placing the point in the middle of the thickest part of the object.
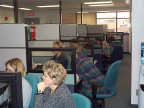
(116, 21)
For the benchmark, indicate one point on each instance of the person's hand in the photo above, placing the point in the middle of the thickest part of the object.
(41, 86)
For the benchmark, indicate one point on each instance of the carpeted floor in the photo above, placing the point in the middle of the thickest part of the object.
(123, 97)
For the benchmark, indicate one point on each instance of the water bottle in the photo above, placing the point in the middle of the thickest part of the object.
(142, 52)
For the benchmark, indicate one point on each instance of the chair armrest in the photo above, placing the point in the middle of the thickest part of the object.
(94, 83)
(78, 85)
(94, 88)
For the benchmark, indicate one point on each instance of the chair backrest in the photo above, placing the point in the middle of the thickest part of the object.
(111, 50)
(112, 75)
(33, 81)
(81, 101)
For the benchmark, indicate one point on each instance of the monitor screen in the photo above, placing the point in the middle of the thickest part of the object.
(11, 89)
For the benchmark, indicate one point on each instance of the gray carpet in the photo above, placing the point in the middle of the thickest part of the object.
(123, 97)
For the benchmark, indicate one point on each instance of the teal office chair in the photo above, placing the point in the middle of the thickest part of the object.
(109, 83)
(111, 50)
(81, 101)
(33, 81)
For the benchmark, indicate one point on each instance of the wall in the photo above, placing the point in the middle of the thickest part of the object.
(10, 14)
(68, 18)
(52, 15)
(137, 38)
(88, 18)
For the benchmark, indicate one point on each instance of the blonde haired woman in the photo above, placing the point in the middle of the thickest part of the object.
(59, 56)
(52, 92)
(16, 65)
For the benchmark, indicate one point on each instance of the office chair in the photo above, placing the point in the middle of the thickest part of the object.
(81, 101)
(109, 83)
(33, 81)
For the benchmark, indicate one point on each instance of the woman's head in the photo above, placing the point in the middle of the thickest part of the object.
(58, 44)
(74, 43)
(15, 65)
(54, 71)
(98, 40)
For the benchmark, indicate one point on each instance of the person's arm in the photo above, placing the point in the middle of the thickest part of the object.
(39, 97)
(38, 100)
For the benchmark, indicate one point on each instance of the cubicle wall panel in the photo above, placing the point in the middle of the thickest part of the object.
(93, 29)
(45, 44)
(68, 30)
(9, 53)
(47, 32)
(12, 35)
(82, 29)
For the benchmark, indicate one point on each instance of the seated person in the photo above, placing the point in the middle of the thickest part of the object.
(60, 57)
(106, 52)
(52, 91)
(16, 65)
(73, 44)
(87, 44)
(111, 37)
(105, 47)
(87, 71)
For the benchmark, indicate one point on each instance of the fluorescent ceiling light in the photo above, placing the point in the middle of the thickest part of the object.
(83, 12)
(24, 9)
(103, 11)
(103, 2)
(47, 6)
(7, 6)
(103, 5)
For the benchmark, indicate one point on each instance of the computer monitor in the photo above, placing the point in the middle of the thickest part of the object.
(14, 79)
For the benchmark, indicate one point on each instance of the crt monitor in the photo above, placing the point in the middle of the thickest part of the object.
(14, 81)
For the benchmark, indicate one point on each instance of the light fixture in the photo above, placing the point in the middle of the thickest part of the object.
(103, 5)
(102, 11)
(83, 12)
(103, 2)
(7, 6)
(25, 9)
(47, 6)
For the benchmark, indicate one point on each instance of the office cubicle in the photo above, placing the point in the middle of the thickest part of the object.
(115, 40)
(36, 57)
(89, 51)
(97, 57)
(12, 43)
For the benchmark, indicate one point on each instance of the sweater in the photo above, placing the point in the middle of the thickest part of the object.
(60, 98)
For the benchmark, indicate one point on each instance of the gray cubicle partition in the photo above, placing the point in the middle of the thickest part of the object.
(94, 29)
(82, 30)
(68, 31)
(12, 43)
(46, 34)
(47, 31)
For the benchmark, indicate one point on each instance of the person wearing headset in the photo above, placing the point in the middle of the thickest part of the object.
(16, 65)
(59, 56)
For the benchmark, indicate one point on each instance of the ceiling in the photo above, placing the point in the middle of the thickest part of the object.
(66, 4)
